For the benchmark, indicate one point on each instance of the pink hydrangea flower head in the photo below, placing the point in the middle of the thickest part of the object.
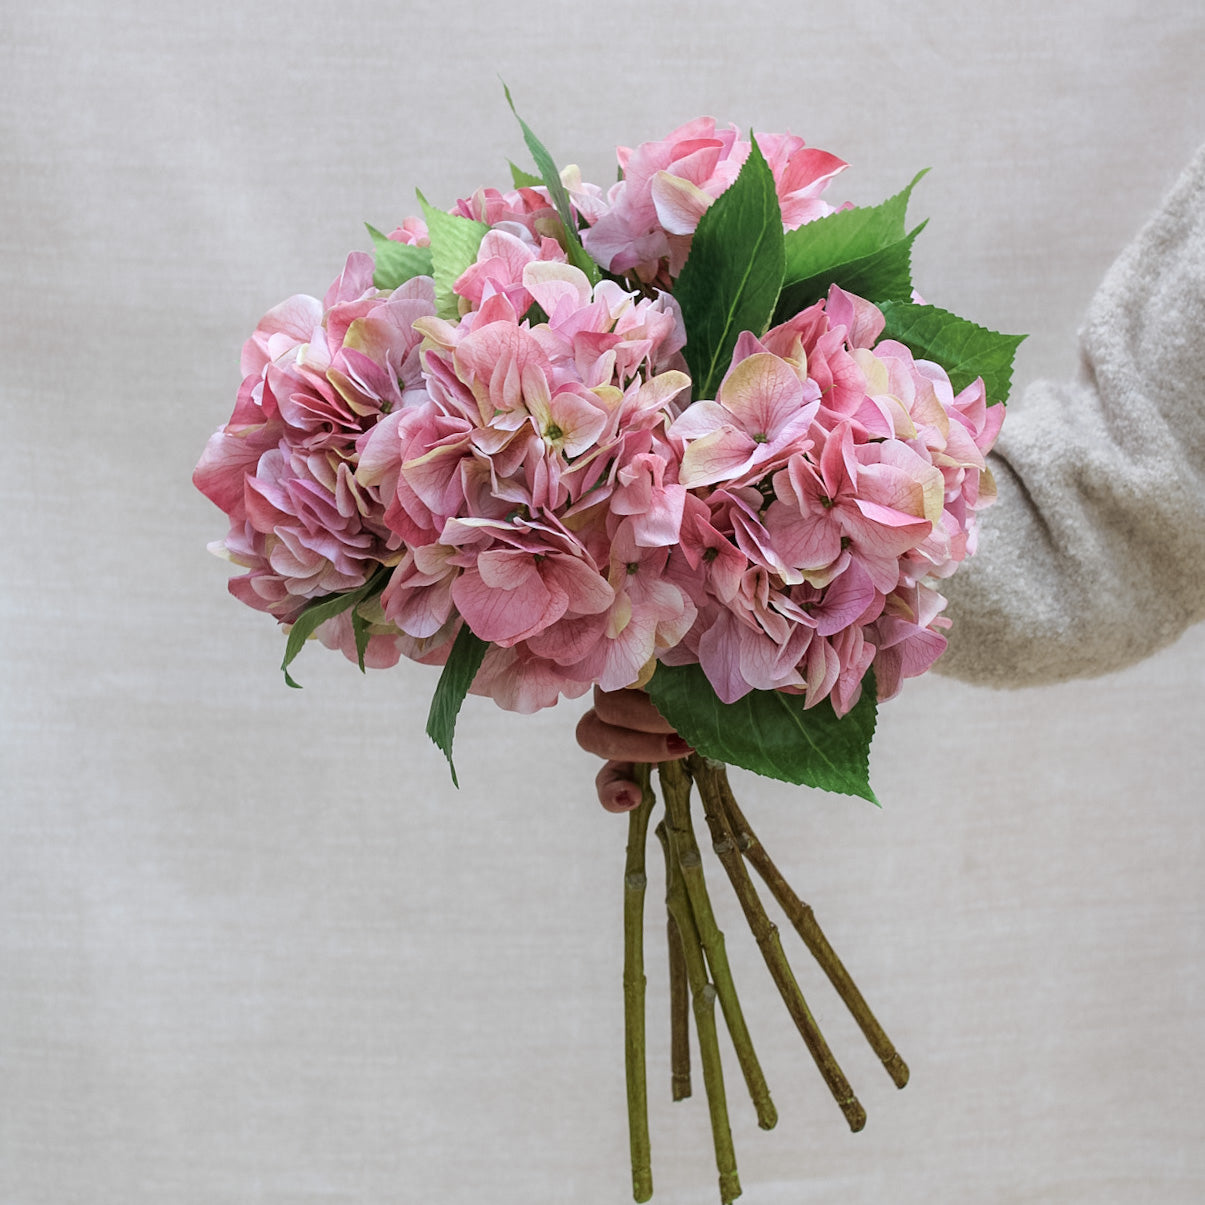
(319, 377)
(668, 184)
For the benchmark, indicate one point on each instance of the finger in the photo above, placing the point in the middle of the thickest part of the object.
(617, 789)
(629, 709)
(627, 745)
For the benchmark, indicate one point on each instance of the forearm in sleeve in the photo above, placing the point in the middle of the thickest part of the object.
(1093, 557)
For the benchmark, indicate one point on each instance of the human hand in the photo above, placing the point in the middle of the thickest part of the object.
(624, 727)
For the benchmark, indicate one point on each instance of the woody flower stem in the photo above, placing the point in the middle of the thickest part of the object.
(679, 1013)
(703, 1002)
(801, 917)
(706, 776)
(675, 787)
(634, 882)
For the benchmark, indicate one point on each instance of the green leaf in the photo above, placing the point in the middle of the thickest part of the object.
(397, 262)
(320, 610)
(551, 179)
(849, 234)
(882, 275)
(865, 251)
(523, 179)
(549, 176)
(963, 348)
(454, 243)
(468, 651)
(731, 278)
(359, 628)
(770, 733)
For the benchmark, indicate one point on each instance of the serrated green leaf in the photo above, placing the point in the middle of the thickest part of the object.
(468, 651)
(847, 235)
(551, 179)
(396, 262)
(731, 278)
(963, 348)
(523, 179)
(770, 733)
(454, 243)
(881, 275)
(320, 610)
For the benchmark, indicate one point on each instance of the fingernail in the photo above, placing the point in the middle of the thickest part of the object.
(675, 744)
(625, 801)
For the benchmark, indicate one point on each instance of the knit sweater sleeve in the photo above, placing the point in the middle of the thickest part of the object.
(1093, 557)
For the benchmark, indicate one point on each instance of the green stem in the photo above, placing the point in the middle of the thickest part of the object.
(675, 786)
(679, 1014)
(703, 995)
(634, 882)
(804, 921)
(708, 777)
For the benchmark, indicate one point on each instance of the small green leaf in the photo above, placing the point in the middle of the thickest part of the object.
(523, 179)
(549, 176)
(397, 262)
(881, 275)
(468, 651)
(359, 628)
(963, 348)
(770, 733)
(454, 243)
(320, 610)
(551, 179)
(731, 278)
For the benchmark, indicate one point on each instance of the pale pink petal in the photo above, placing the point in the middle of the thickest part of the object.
(720, 456)
(764, 394)
(680, 204)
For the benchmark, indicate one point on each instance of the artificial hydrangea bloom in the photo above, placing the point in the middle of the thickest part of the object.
(535, 490)
(840, 500)
(535, 467)
(666, 186)
(318, 375)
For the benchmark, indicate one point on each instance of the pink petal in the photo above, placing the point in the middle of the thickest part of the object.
(764, 394)
(720, 456)
(680, 204)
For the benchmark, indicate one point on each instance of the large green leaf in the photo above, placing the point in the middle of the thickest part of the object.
(397, 262)
(551, 179)
(320, 610)
(880, 275)
(845, 236)
(864, 250)
(963, 348)
(770, 733)
(468, 651)
(731, 278)
(454, 243)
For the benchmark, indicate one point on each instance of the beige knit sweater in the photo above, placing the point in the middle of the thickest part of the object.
(1094, 556)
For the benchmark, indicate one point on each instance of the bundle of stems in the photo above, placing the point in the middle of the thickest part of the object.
(699, 974)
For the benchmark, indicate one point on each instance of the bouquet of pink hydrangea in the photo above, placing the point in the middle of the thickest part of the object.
(694, 433)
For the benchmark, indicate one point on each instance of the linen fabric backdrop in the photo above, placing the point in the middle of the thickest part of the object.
(254, 947)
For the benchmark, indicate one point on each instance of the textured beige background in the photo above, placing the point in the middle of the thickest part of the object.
(254, 948)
